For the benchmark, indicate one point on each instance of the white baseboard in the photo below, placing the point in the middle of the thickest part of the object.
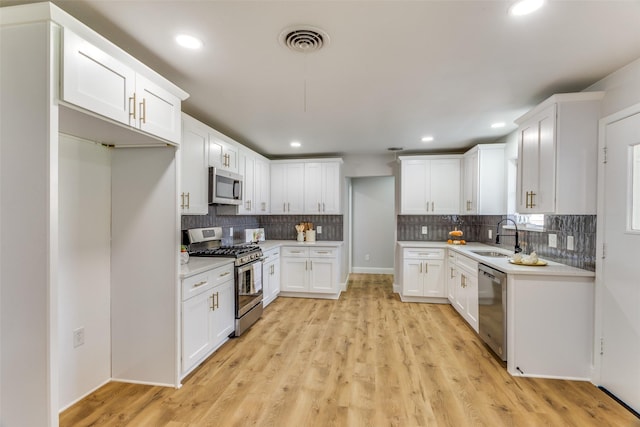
(372, 270)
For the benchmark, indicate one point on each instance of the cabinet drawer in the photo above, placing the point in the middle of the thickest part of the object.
(295, 252)
(467, 263)
(423, 253)
(323, 252)
(194, 285)
(271, 254)
(221, 274)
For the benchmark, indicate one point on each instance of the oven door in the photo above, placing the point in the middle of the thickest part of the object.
(248, 287)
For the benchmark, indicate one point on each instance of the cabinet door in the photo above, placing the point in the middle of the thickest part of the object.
(323, 275)
(433, 284)
(247, 170)
(295, 188)
(278, 189)
(271, 276)
(313, 188)
(222, 318)
(331, 194)
(261, 187)
(473, 307)
(413, 192)
(222, 154)
(536, 163)
(470, 184)
(444, 180)
(294, 276)
(93, 80)
(194, 168)
(158, 111)
(412, 277)
(452, 282)
(196, 335)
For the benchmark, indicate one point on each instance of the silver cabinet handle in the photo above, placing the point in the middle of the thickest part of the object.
(197, 285)
(311, 263)
(188, 200)
(433, 208)
(182, 201)
(288, 207)
(143, 111)
(426, 268)
(319, 209)
(420, 267)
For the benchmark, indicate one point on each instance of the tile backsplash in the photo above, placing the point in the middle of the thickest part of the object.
(276, 227)
(476, 229)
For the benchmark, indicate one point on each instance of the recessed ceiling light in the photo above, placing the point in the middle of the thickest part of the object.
(498, 125)
(427, 138)
(188, 41)
(525, 7)
(295, 144)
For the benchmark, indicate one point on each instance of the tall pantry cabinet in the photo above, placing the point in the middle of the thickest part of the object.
(144, 208)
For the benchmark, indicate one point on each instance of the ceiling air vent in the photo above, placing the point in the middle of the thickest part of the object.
(304, 39)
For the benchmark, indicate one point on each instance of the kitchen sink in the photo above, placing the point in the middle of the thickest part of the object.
(493, 254)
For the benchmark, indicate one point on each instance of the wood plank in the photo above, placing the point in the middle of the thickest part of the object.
(367, 359)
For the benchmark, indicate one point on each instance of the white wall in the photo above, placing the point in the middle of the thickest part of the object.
(84, 267)
(374, 224)
(361, 165)
(622, 88)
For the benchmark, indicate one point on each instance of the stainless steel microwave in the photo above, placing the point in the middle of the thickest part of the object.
(225, 188)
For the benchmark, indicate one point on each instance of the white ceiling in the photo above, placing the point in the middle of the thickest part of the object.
(393, 71)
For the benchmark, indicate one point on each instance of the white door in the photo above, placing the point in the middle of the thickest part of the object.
(619, 278)
(413, 192)
(445, 187)
(158, 111)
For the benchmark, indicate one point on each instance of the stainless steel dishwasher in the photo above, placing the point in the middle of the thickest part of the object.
(492, 300)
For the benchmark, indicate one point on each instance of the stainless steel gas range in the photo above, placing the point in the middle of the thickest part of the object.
(206, 242)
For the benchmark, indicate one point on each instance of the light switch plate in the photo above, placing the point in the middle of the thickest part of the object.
(319, 229)
(425, 230)
(490, 233)
(553, 240)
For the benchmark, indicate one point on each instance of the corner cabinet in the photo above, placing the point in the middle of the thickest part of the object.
(484, 181)
(310, 271)
(207, 314)
(311, 187)
(557, 155)
(97, 82)
(429, 185)
(194, 167)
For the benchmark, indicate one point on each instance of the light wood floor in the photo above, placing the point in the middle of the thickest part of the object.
(364, 360)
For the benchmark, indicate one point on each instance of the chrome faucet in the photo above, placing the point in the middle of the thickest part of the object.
(517, 246)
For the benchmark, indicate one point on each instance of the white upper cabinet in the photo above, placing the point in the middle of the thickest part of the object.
(322, 183)
(223, 152)
(557, 155)
(430, 185)
(194, 167)
(96, 81)
(306, 186)
(255, 171)
(287, 188)
(484, 185)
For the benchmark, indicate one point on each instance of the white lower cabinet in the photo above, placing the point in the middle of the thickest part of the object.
(462, 284)
(423, 273)
(207, 314)
(271, 276)
(308, 271)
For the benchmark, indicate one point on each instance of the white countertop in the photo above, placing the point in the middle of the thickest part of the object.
(270, 244)
(502, 264)
(200, 264)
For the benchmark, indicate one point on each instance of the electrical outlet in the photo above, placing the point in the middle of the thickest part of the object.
(490, 233)
(425, 230)
(553, 240)
(78, 337)
(570, 246)
(230, 231)
(367, 257)
(319, 229)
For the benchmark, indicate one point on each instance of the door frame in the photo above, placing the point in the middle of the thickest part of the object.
(598, 314)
